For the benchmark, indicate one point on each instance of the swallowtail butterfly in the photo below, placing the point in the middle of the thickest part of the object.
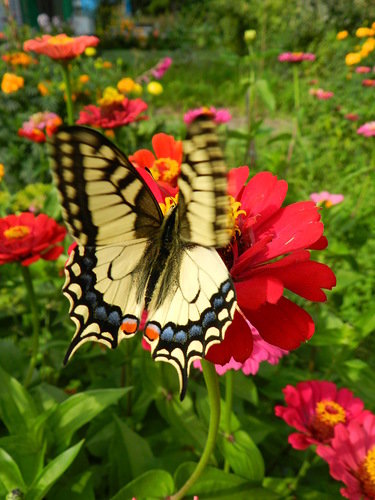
(131, 258)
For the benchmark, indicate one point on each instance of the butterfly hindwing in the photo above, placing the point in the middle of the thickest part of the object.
(104, 287)
(195, 312)
(105, 201)
(203, 197)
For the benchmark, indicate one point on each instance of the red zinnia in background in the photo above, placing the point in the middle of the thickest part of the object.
(60, 47)
(26, 238)
(269, 254)
(113, 115)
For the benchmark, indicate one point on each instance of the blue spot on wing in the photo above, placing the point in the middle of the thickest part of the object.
(209, 318)
(114, 318)
(181, 336)
(226, 287)
(167, 334)
(91, 298)
(100, 313)
(195, 330)
(218, 302)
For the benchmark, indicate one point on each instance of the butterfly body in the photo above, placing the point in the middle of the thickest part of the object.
(130, 258)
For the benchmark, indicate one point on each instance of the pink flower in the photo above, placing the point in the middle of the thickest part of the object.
(326, 198)
(161, 68)
(367, 129)
(296, 57)
(351, 457)
(116, 114)
(262, 351)
(362, 69)
(368, 83)
(39, 123)
(315, 408)
(353, 117)
(220, 115)
(324, 94)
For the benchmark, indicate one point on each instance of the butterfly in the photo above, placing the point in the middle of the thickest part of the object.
(130, 258)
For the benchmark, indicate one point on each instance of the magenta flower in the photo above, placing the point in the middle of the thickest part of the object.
(220, 115)
(321, 94)
(362, 69)
(262, 351)
(351, 457)
(367, 129)
(296, 57)
(315, 408)
(326, 198)
(161, 68)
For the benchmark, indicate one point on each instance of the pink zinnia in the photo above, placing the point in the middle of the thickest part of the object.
(353, 117)
(367, 129)
(220, 115)
(324, 94)
(351, 457)
(296, 57)
(114, 115)
(161, 68)
(262, 351)
(326, 198)
(38, 124)
(363, 69)
(315, 408)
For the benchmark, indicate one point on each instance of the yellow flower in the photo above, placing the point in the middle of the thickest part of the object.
(126, 85)
(154, 88)
(137, 89)
(341, 35)
(373, 26)
(84, 78)
(11, 83)
(90, 51)
(110, 95)
(43, 89)
(368, 46)
(2, 171)
(352, 58)
(363, 32)
(249, 35)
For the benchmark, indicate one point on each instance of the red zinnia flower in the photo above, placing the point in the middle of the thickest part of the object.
(315, 408)
(39, 123)
(25, 238)
(269, 253)
(165, 168)
(296, 57)
(113, 115)
(60, 47)
(351, 457)
(368, 82)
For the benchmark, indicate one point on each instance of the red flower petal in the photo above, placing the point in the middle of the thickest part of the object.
(284, 324)
(253, 293)
(238, 343)
(236, 180)
(143, 158)
(165, 146)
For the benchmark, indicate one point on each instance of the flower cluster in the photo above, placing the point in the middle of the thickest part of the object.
(26, 238)
(11, 83)
(296, 57)
(18, 59)
(321, 94)
(40, 124)
(344, 432)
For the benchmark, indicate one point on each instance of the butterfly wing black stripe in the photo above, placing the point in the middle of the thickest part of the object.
(195, 312)
(105, 200)
(203, 199)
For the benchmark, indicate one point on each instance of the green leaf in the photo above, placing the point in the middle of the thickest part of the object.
(17, 409)
(154, 484)
(80, 409)
(10, 474)
(217, 484)
(52, 472)
(243, 456)
(265, 94)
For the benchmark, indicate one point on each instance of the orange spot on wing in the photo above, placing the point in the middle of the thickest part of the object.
(129, 326)
(152, 332)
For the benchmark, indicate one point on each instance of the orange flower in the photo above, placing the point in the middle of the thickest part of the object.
(43, 89)
(352, 58)
(18, 59)
(107, 64)
(11, 83)
(60, 47)
(341, 35)
(2, 171)
(126, 85)
(84, 79)
(363, 32)
(165, 168)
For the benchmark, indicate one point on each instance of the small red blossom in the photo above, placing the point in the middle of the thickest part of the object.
(270, 253)
(165, 164)
(315, 408)
(296, 57)
(26, 238)
(351, 457)
(40, 124)
(368, 82)
(60, 47)
(353, 117)
(116, 114)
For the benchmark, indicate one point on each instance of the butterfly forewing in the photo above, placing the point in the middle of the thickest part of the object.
(203, 197)
(105, 201)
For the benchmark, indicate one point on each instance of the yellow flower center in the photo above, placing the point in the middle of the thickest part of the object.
(366, 474)
(234, 213)
(60, 40)
(165, 169)
(110, 96)
(170, 202)
(327, 415)
(16, 232)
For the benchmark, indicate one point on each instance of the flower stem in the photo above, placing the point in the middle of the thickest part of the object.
(296, 88)
(228, 409)
(297, 104)
(68, 92)
(212, 385)
(35, 320)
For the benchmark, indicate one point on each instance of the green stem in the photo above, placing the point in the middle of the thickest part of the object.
(35, 320)
(212, 385)
(228, 409)
(296, 87)
(68, 91)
